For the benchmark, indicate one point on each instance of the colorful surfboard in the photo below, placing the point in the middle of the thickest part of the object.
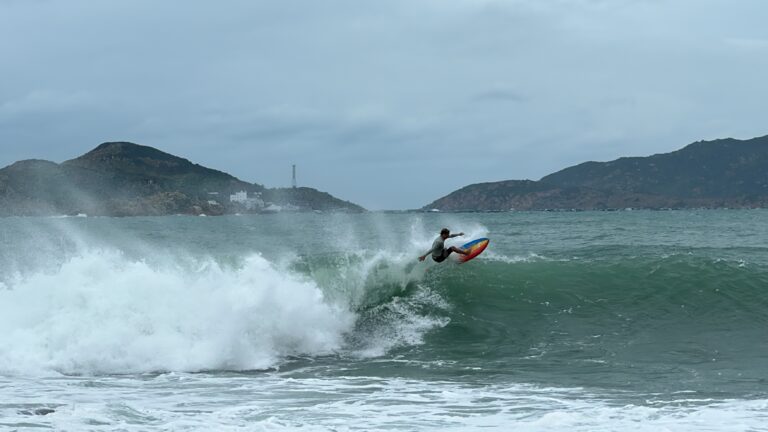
(476, 247)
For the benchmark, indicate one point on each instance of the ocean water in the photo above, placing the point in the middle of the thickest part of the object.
(594, 321)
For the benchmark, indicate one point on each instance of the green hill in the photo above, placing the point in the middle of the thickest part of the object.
(136, 170)
(711, 174)
(124, 179)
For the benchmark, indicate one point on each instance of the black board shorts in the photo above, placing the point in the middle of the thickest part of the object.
(442, 256)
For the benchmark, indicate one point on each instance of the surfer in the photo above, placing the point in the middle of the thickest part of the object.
(439, 251)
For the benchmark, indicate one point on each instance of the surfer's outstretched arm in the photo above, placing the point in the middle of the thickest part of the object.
(456, 235)
(423, 257)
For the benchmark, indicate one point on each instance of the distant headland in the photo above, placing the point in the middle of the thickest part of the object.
(126, 179)
(725, 173)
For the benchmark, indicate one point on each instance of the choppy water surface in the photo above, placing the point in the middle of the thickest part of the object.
(569, 321)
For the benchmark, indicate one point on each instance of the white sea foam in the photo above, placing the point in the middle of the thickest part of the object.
(102, 313)
(399, 322)
(529, 257)
(278, 401)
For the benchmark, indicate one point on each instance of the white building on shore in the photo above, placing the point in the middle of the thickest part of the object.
(241, 197)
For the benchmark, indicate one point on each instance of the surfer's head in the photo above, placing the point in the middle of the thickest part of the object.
(444, 233)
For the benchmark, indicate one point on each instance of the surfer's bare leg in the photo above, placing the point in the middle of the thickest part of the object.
(459, 251)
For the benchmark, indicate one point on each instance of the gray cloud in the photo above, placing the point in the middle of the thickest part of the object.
(389, 104)
(499, 95)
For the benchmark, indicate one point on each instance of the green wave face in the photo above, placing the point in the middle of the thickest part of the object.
(591, 323)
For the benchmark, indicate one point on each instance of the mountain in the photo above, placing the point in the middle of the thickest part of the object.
(125, 179)
(711, 174)
(132, 169)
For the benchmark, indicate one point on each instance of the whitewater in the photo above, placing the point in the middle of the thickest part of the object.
(588, 321)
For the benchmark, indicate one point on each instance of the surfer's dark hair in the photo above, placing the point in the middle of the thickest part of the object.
(445, 231)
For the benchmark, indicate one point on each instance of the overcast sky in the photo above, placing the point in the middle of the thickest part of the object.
(390, 104)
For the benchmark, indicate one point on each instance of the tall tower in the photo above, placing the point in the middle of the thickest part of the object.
(293, 183)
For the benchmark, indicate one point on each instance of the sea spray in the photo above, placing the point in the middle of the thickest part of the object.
(101, 311)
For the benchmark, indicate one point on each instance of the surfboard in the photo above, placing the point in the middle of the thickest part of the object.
(476, 247)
